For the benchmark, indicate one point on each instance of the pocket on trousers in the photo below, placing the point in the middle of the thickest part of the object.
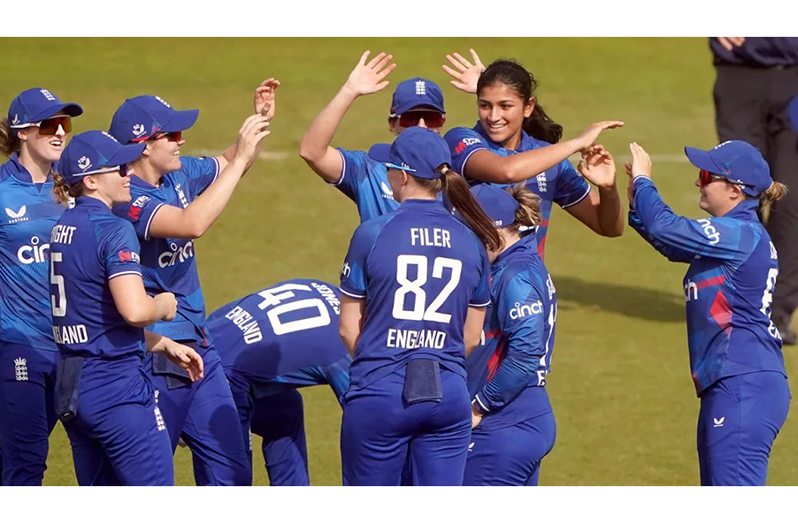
(175, 375)
(422, 381)
(67, 387)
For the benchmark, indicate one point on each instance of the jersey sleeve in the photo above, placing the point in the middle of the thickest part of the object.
(481, 295)
(139, 211)
(571, 187)
(720, 238)
(354, 278)
(522, 323)
(463, 142)
(119, 248)
(201, 172)
(354, 172)
(672, 253)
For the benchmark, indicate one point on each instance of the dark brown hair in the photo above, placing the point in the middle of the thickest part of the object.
(458, 196)
(513, 75)
(9, 141)
(63, 191)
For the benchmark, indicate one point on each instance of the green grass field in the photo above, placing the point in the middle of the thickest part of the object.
(624, 401)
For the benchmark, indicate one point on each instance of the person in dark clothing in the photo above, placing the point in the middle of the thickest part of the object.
(756, 79)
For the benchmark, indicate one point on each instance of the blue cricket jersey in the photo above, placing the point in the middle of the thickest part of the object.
(168, 264)
(728, 286)
(365, 182)
(28, 212)
(285, 336)
(560, 184)
(507, 373)
(89, 246)
(419, 269)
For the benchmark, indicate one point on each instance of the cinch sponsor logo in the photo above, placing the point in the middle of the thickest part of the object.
(33, 253)
(521, 311)
(710, 231)
(177, 254)
(690, 290)
(346, 270)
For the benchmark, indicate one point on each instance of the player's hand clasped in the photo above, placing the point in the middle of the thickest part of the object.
(264, 98)
(598, 167)
(254, 129)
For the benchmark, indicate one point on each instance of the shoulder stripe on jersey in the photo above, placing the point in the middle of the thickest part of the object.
(343, 170)
(483, 148)
(479, 304)
(353, 295)
(149, 222)
(123, 273)
(578, 200)
(218, 168)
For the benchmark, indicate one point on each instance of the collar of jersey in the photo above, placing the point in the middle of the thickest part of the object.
(87, 202)
(527, 143)
(19, 171)
(518, 247)
(416, 202)
(745, 210)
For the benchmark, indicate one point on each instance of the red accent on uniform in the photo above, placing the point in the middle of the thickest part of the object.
(720, 311)
(125, 256)
(711, 282)
(496, 359)
(134, 212)
(460, 148)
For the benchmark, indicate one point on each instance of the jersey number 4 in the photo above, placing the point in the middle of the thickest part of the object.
(419, 310)
(273, 298)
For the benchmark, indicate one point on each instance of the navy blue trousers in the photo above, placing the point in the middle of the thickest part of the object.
(739, 419)
(380, 432)
(205, 416)
(27, 414)
(510, 455)
(118, 436)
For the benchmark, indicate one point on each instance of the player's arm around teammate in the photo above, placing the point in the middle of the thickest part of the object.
(516, 141)
(513, 419)
(32, 136)
(99, 307)
(416, 275)
(735, 350)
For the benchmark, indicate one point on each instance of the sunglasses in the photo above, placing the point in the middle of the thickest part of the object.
(431, 118)
(122, 169)
(705, 178)
(174, 136)
(50, 126)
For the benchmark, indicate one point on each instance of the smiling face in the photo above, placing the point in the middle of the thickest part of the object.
(502, 112)
(719, 197)
(164, 154)
(110, 187)
(43, 147)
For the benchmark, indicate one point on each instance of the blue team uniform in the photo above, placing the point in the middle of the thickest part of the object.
(365, 182)
(271, 343)
(106, 402)
(193, 410)
(734, 347)
(28, 354)
(419, 269)
(507, 374)
(561, 184)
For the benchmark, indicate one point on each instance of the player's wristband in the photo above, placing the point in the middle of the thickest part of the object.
(477, 407)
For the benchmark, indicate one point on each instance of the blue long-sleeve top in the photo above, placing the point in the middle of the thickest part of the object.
(728, 286)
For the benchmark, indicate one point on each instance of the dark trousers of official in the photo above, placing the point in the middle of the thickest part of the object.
(751, 105)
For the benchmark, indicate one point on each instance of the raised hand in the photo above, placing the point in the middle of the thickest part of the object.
(264, 97)
(367, 78)
(591, 134)
(641, 161)
(598, 166)
(467, 74)
(254, 129)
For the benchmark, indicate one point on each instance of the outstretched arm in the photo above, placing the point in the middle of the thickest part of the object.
(601, 210)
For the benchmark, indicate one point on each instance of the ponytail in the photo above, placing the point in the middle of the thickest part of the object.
(528, 212)
(9, 141)
(512, 74)
(775, 192)
(64, 192)
(459, 196)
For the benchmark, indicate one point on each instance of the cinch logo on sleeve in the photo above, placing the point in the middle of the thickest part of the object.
(180, 254)
(33, 253)
(521, 311)
(346, 270)
(465, 142)
(710, 231)
(690, 291)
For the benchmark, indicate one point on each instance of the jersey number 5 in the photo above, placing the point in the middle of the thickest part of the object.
(59, 310)
(419, 310)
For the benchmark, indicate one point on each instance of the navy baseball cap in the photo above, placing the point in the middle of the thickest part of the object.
(417, 150)
(94, 152)
(793, 111)
(740, 162)
(497, 203)
(37, 104)
(141, 117)
(415, 92)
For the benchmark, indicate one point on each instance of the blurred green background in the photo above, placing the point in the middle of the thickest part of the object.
(623, 398)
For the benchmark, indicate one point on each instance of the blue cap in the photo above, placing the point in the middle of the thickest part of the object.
(793, 111)
(93, 152)
(417, 150)
(35, 105)
(415, 92)
(141, 117)
(740, 162)
(497, 203)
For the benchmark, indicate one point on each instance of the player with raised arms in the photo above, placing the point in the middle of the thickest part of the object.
(735, 349)
(514, 426)
(99, 306)
(174, 201)
(271, 343)
(414, 290)
(515, 141)
(33, 136)
(416, 102)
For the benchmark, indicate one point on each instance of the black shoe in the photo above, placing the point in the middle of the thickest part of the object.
(788, 336)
